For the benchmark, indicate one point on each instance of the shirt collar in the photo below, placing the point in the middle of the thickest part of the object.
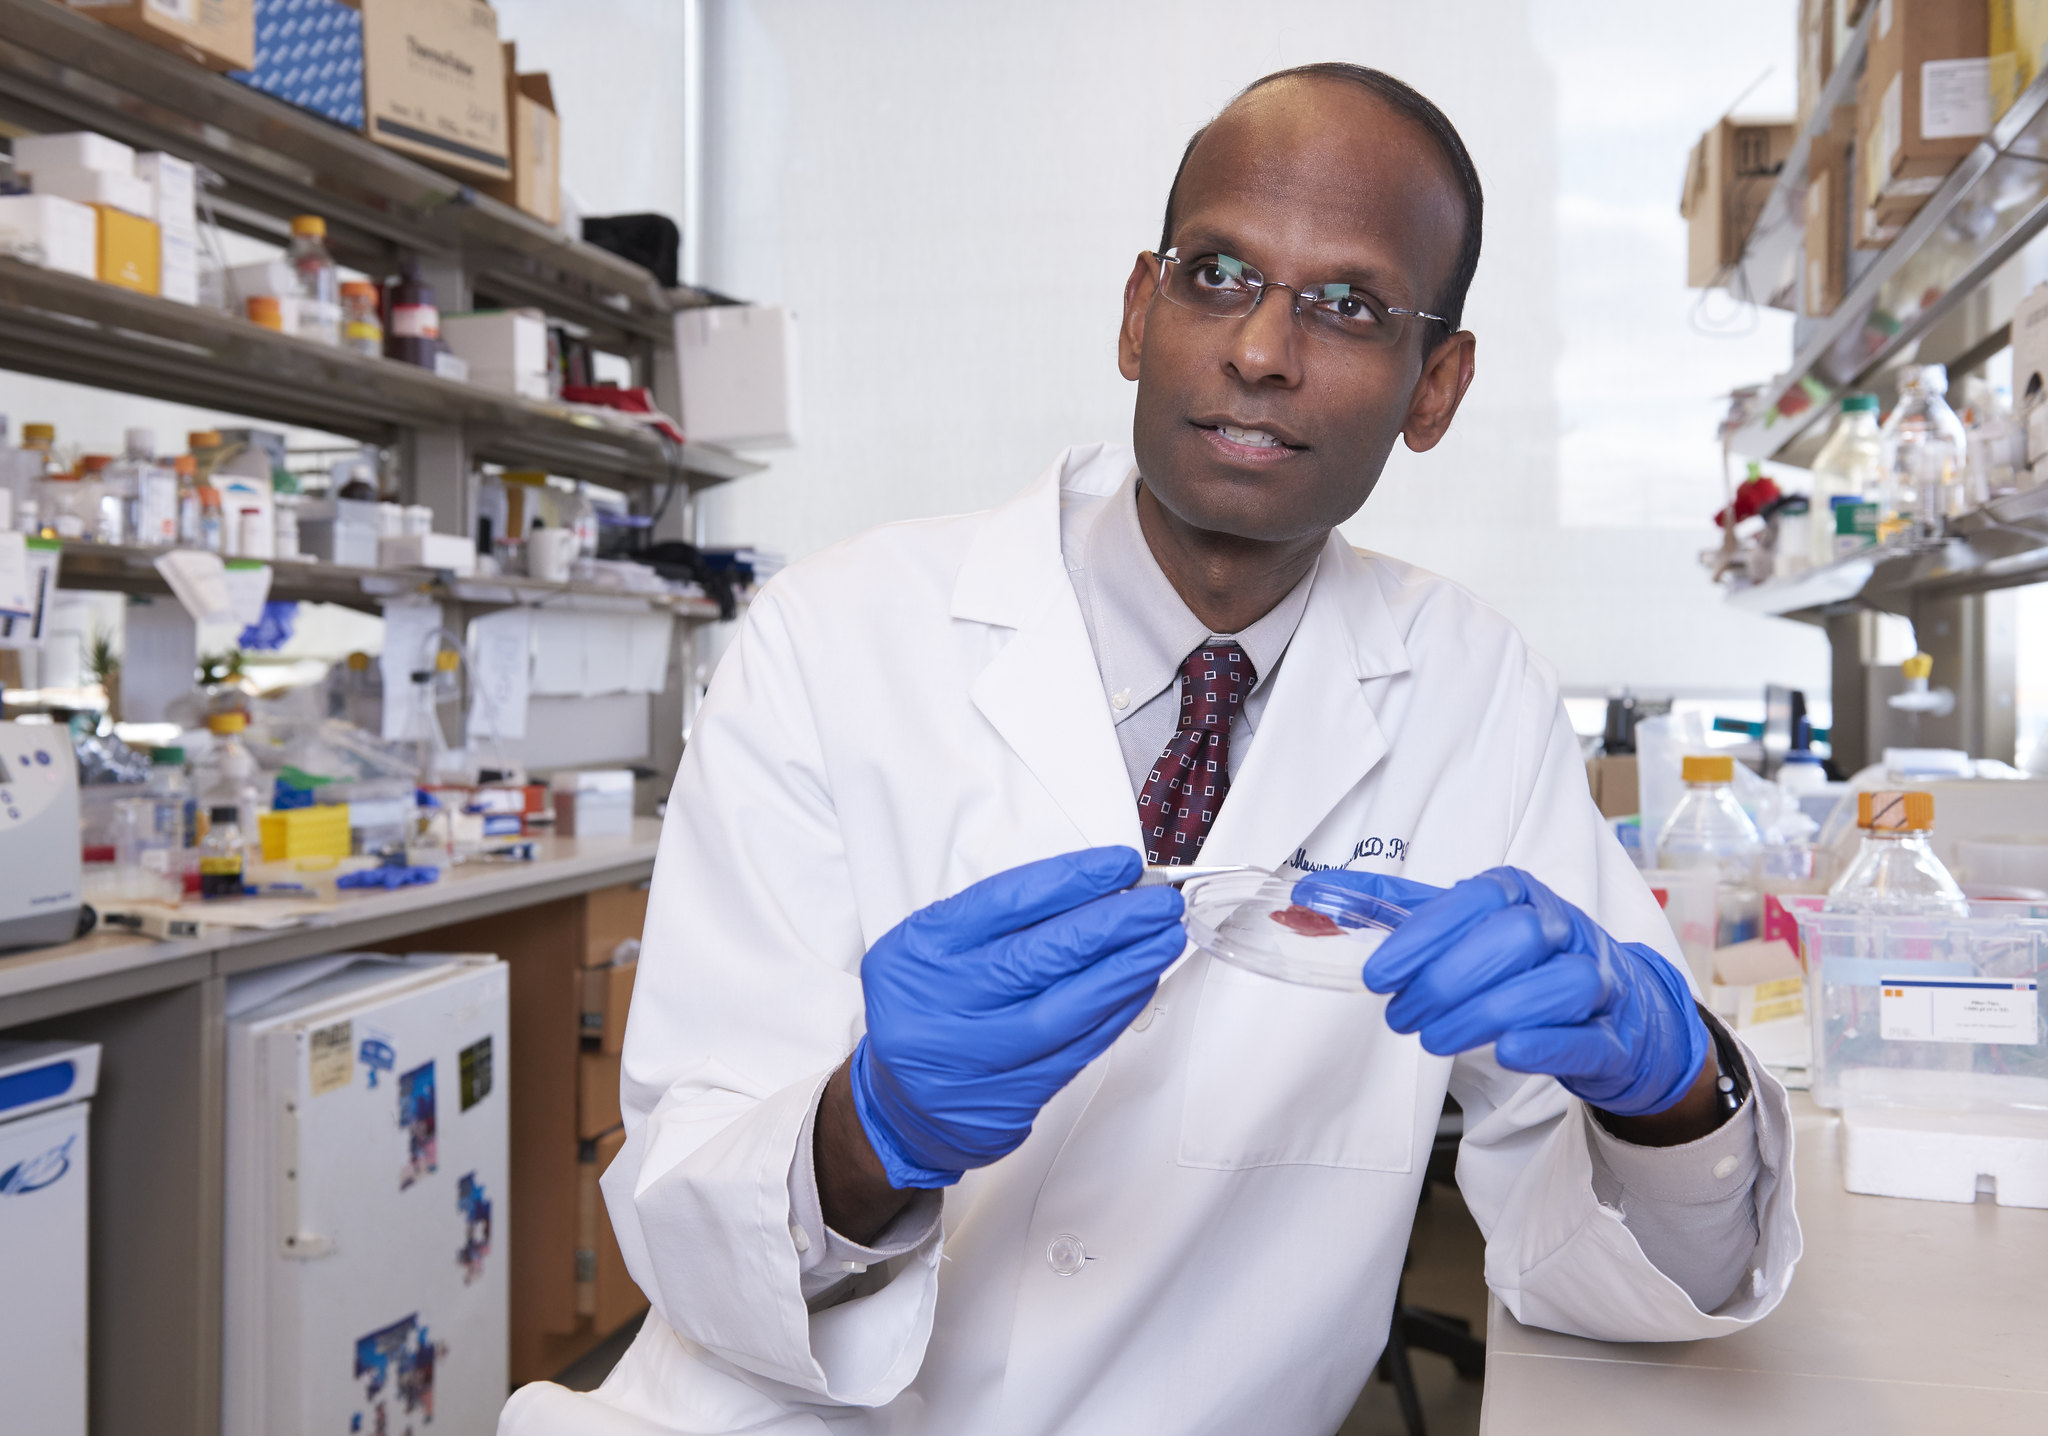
(1143, 632)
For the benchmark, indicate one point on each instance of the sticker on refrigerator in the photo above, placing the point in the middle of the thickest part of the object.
(377, 1056)
(331, 1058)
(476, 1073)
(1958, 1009)
(475, 1207)
(396, 1362)
(45, 1169)
(416, 1119)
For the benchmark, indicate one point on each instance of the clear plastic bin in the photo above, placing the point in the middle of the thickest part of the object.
(1933, 1014)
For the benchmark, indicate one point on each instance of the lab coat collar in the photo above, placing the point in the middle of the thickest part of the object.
(1043, 691)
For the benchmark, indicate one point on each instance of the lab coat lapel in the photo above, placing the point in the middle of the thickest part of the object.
(1043, 691)
(1319, 736)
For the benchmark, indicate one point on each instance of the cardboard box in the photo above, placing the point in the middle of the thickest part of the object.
(2018, 41)
(536, 136)
(1816, 53)
(504, 344)
(434, 83)
(219, 34)
(1924, 100)
(309, 53)
(130, 250)
(1728, 177)
(174, 192)
(1828, 184)
(1614, 784)
(178, 278)
(65, 231)
(605, 1292)
(607, 994)
(97, 187)
(739, 373)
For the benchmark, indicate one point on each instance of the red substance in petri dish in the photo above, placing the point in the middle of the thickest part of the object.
(1306, 921)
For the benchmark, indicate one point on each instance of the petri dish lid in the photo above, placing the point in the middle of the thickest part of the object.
(1261, 922)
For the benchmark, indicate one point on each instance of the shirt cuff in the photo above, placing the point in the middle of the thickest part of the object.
(823, 1255)
(1709, 1169)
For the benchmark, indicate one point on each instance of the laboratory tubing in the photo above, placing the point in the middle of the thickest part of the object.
(319, 284)
(1924, 448)
(1849, 467)
(1896, 872)
(1708, 829)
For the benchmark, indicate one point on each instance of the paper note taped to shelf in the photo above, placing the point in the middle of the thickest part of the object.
(411, 644)
(1959, 1009)
(14, 595)
(248, 584)
(501, 670)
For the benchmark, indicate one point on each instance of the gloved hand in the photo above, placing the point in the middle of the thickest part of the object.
(1501, 958)
(982, 1006)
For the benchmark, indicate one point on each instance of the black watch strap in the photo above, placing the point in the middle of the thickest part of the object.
(1732, 1087)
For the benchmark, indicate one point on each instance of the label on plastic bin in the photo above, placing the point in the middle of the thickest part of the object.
(1959, 1009)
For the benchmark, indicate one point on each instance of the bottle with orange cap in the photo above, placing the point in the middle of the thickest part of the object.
(1896, 872)
(1708, 829)
(319, 283)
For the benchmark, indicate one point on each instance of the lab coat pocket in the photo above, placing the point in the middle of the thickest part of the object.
(1280, 1075)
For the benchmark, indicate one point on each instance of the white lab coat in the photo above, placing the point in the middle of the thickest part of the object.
(919, 708)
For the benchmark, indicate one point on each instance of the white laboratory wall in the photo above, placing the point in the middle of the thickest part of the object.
(950, 195)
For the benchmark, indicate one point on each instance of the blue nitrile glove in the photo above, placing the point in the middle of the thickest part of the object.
(982, 1006)
(1501, 958)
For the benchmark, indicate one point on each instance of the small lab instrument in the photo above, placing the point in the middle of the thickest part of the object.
(39, 847)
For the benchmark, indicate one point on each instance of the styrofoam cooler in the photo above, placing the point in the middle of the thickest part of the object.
(366, 1197)
(43, 1112)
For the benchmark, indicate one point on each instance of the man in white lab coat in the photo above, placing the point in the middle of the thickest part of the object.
(931, 1129)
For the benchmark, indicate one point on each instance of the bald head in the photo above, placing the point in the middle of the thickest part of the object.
(1335, 120)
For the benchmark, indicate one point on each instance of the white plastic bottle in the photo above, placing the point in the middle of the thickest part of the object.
(1708, 829)
(319, 282)
(228, 776)
(1849, 465)
(1924, 456)
(150, 489)
(1896, 872)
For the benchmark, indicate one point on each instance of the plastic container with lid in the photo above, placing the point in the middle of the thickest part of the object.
(319, 284)
(1269, 923)
(1708, 829)
(362, 325)
(1896, 873)
(1850, 465)
(1924, 456)
(222, 853)
(70, 505)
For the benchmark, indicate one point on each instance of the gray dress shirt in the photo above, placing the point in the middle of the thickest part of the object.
(1691, 1208)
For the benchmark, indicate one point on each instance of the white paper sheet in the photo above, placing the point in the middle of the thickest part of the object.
(14, 595)
(500, 674)
(607, 653)
(409, 627)
(40, 582)
(248, 585)
(647, 670)
(198, 579)
(558, 653)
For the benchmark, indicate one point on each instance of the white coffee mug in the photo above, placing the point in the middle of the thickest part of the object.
(549, 552)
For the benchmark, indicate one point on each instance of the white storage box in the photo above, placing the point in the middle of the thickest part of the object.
(65, 233)
(507, 344)
(451, 552)
(1927, 1035)
(739, 374)
(594, 803)
(115, 191)
(76, 150)
(174, 190)
(44, 1087)
(178, 271)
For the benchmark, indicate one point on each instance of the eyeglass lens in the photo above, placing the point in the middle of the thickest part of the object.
(1225, 287)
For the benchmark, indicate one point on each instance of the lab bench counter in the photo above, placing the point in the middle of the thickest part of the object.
(1904, 1317)
(111, 967)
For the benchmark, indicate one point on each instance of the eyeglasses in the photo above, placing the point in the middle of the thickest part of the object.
(1224, 287)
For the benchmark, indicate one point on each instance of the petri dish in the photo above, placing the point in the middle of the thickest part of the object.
(1255, 920)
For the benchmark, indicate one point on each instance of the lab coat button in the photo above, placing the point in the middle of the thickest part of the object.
(1065, 1255)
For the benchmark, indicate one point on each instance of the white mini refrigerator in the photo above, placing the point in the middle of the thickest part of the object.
(43, 1092)
(366, 1185)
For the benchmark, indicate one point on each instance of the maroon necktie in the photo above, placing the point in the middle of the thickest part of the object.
(1186, 787)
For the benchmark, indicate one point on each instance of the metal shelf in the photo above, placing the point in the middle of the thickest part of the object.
(1991, 205)
(62, 70)
(133, 570)
(66, 327)
(2002, 545)
(1769, 269)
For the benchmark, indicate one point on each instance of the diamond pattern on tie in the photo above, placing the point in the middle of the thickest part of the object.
(1186, 787)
